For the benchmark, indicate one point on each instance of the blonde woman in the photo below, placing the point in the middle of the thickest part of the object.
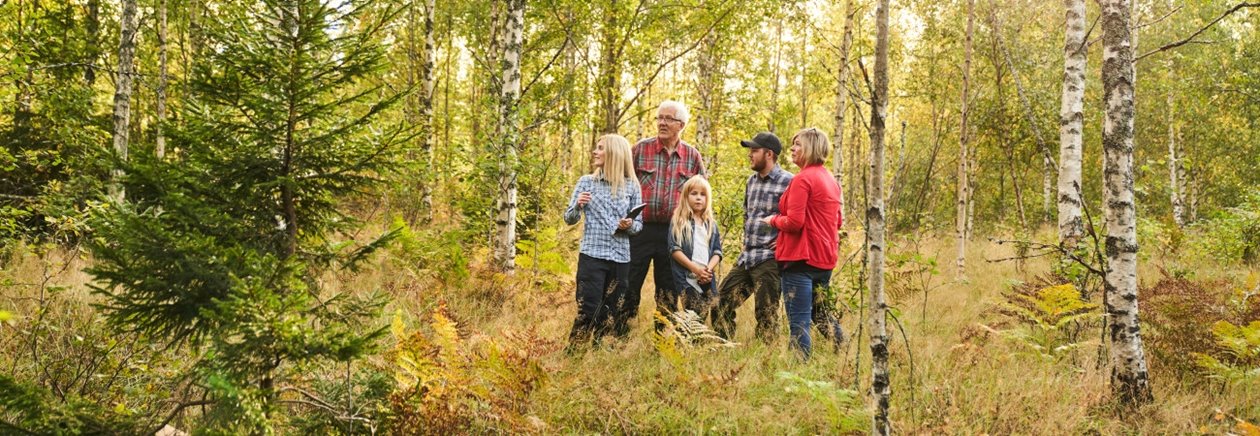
(695, 246)
(808, 221)
(604, 197)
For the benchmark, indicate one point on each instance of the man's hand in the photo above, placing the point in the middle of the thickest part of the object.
(769, 221)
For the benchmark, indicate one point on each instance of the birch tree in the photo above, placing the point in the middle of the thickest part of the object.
(842, 98)
(426, 114)
(961, 221)
(880, 384)
(1129, 379)
(1174, 164)
(1071, 124)
(509, 133)
(122, 90)
(1047, 162)
(160, 146)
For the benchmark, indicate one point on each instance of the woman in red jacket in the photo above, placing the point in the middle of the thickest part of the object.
(808, 221)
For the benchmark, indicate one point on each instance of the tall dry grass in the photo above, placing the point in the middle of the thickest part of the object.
(965, 380)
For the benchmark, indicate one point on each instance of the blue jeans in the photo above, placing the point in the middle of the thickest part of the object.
(798, 298)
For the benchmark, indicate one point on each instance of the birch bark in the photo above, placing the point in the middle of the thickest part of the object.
(1129, 380)
(122, 91)
(509, 134)
(1071, 125)
(880, 384)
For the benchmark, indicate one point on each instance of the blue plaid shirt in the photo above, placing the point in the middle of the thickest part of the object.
(602, 214)
(761, 199)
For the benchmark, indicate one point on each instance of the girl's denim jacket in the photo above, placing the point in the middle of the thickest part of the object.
(680, 272)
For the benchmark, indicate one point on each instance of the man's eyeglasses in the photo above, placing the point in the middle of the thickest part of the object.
(667, 119)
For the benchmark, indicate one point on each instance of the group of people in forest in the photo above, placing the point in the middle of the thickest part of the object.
(652, 205)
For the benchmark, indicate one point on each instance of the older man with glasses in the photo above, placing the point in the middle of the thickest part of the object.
(662, 163)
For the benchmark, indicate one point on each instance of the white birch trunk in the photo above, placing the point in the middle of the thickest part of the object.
(426, 116)
(708, 87)
(505, 221)
(1174, 167)
(963, 190)
(1071, 125)
(880, 384)
(774, 87)
(803, 62)
(122, 92)
(1129, 379)
(842, 101)
(160, 146)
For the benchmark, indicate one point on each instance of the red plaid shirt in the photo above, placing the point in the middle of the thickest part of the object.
(661, 175)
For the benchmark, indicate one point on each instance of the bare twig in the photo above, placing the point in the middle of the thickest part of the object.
(1190, 38)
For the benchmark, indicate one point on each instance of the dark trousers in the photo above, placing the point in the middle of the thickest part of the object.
(762, 280)
(601, 289)
(649, 248)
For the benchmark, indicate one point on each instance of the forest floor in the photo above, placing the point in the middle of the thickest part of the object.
(956, 374)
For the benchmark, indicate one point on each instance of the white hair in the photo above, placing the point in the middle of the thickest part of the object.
(680, 110)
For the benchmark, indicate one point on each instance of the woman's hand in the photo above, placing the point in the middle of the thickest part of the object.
(624, 223)
(583, 199)
(703, 275)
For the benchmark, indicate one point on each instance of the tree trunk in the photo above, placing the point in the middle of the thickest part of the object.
(855, 147)
(880, 383)
(160, 147)
(931, 165)
(1174, 167)
(1030, 116)
(961, 222)
(895, 177)
(1071, 125)
(610, 71)
(1009, 146)
(708, 89)
(427, 178)
(842, 100)
(509, 132)
(122, 91)
(1129, 379)
(774, 85)
(803, 63)
(94, 33)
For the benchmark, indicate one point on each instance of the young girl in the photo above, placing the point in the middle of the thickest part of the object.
(695, 246)
(604, 197)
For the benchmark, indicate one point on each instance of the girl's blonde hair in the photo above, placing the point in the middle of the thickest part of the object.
(618, 167)
(680, 223)
(814, 145)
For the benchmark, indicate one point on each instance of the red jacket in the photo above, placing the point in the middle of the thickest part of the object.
(809, 219)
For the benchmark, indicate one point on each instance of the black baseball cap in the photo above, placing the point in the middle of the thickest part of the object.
(764, 140)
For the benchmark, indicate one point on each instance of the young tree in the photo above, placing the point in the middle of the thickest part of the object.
(222, 251)
(1129, 379)
(842, 97)
(508, 133)
(160, 146)
(426, 116)
(1071, 123)
(122, 90)
(963, 138)
(880, 384)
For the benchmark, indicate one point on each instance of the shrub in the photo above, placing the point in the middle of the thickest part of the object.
(451, 384)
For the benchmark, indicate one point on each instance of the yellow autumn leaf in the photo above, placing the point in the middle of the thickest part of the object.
(1247, 428)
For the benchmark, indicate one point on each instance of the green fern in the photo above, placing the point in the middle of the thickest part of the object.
(1242, 345)
(1044, 319)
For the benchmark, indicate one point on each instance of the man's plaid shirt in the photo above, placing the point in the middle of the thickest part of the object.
(761, 199)
(661, 175)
